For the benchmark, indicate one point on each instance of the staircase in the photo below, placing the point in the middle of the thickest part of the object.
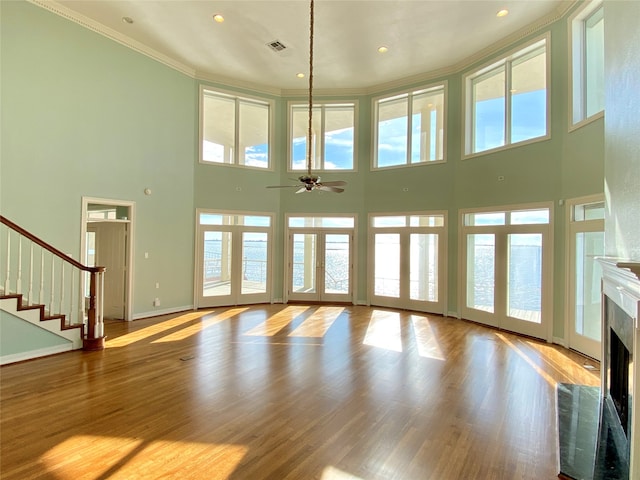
(46, 288)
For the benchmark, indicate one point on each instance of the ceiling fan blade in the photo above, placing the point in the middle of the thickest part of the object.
(282, 186)
(302, 190)
(337, 183)
(330, 188)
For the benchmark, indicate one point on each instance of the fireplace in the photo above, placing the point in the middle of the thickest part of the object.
(619, 377)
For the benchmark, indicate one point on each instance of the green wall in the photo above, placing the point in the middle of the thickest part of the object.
(83, 115)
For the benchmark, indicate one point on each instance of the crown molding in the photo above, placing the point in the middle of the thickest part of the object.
(235, 83)
(111, 34)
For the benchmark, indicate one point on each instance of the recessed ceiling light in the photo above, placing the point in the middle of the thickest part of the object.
(383, 49)
(502, 13)
(300, 75)
(128, 20)
(218, 18)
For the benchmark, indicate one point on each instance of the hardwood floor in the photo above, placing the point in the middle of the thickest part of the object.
(290, 392)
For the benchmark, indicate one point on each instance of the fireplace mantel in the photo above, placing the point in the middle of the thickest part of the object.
(621, 285)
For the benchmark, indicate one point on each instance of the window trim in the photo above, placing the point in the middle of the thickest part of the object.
(235, 96)
(575, 34)
(322, 104)
(467, 95)
(444, 86)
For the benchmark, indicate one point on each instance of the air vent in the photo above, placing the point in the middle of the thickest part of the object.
(276, 46)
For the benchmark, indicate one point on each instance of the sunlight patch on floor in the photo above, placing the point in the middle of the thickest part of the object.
(426, 342)
(549, 379)
(318, 323)
(206, 322)
(276, 322)
(111, 457)
(384, 331)
(333, 473)
(147, 332)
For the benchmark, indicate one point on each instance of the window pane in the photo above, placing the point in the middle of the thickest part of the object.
(426, 220)
(300, 129)
(588, 211)
(530, 217)
(524, 288)
(423, 268)
(594, 62)
(210, 219)
(392, 132)
(326, 222)
(388, 221)
(427, 127)
(489, 110)
(218, 129)
(254, 262)
(253, 220)
(336, 276)
(481, 251)
(588, 274)
(217, 264)
(338, 137)
(304, 263)
(254, 135)
(387, 265)
(529, 97)
(477, 219)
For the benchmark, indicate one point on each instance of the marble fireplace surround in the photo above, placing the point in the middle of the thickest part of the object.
(621, 285)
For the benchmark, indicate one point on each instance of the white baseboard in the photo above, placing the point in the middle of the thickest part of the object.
(41, 352)
(559, 341)
(453, 314)
(164, 311)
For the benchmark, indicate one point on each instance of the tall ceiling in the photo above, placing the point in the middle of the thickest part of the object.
(422, 36)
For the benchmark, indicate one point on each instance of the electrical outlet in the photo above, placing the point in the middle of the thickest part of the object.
(157, 284)
(156, 302)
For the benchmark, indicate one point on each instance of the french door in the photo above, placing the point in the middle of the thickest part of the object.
(408, 261)
(233, 259)
(320, 260)
(507, 269)
(585, 243)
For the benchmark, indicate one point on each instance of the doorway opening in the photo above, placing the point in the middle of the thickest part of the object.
(107, 240)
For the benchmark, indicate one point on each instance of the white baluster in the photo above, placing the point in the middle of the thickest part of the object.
(30, 296)
(71, 305)
(53, 283)
(7, 283)
(61, 310)
(19, 279)
(41, 291)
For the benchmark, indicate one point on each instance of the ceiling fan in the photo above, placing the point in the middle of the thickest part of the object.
(311, 182)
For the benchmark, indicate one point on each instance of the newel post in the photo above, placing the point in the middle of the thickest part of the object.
(94, 338)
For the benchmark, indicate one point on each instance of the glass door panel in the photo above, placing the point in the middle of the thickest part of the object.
(588, 275)
(524, 285)
(387, 265)
(216, 280)
(336, 263)
(423, 267)
(481, 254)
(304, 263)
(254, 262)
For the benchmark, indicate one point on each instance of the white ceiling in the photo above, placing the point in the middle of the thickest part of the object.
(422, 36)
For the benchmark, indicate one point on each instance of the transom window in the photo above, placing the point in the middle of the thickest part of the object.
(409, 128)
(333, 136)
(234, 130)
(587, 63)
(506, 102)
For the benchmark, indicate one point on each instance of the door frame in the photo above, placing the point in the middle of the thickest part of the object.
(237, 231)
(130, 219)
(580, 343)
(499, 318)
(324, 230)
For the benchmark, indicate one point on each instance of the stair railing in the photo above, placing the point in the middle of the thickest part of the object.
(43, 275)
